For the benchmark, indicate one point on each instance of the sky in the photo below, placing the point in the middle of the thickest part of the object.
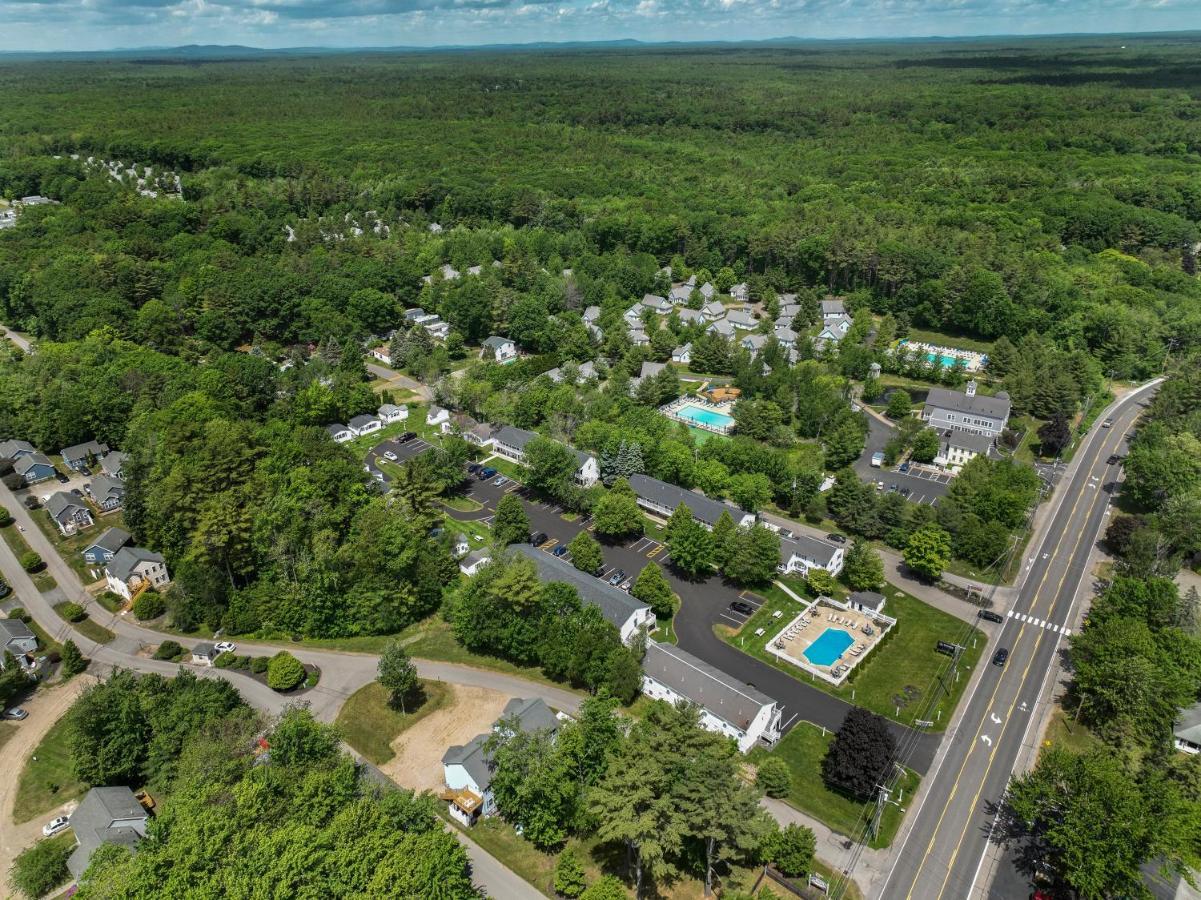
(35, 25)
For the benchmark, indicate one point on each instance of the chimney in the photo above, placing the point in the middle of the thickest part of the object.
(970, 390)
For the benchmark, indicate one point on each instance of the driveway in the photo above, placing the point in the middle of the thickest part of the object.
(402, 451)
(926, 487)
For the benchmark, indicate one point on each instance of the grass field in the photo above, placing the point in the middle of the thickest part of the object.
(7, 730)
(89, 628)
(803, 749)
(71, 548)
(42, 580)
(370, 724)
(1062, 732)
(907, 659)
(954, 341)
(47, 780)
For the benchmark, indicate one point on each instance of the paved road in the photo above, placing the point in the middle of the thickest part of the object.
(924, 488)
(705, 603)
(397, 380)
(949, 834)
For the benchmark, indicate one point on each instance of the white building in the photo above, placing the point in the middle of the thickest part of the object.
(361, 425)
(510, 442)
(474, 561)
(968, 411)
(682, 354)
(1187, 730)
(801, 553)
(340, 433)
(728, 706)
(833, 308)
(662, 498)
(957, 448)
(382, 354)
(389, 413)
(132, 569)
(500, 349)
(436, 415)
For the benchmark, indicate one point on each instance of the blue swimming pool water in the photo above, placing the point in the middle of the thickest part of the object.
(830, 644)
(705, 417)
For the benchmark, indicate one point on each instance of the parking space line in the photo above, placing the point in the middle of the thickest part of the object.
(732, 619)
(549, 545)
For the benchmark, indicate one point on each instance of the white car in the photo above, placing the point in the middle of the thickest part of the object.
(390, 456)
(16, 714)
(225, 647)
(54, 826)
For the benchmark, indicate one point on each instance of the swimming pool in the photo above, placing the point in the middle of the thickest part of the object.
(706, 417)
(829, 646)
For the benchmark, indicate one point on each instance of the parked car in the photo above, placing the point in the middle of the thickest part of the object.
(487, 473)
(627, 584)
(905, 492)
(84, 470)
(837, 538)
(31, 502)
(892, 488)
(617, 578)
(473, 468)
(903, 467)
(1000, 657)
(390, 456)
(406, 437)
(561, 550)
(15, 714)
(225, 646)
(741, 607)
(501, 481)
(62, 479)
(537, 538)
(989, 616)
(879, 485)
(55, 825)
(877, 460)
(5, 590)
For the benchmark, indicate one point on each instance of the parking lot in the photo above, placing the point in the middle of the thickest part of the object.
(403, 453)
(923, 485)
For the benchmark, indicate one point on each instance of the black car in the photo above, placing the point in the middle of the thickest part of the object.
(905, 492)
(474, 467)
(62, 479)
(406, 437)
(537, 538)
(1114, 459)
(989, 616)
(999, 658)
(745, 608)
(837, 538)
(5, 590)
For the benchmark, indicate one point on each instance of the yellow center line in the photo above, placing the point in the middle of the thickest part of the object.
(1042, 632)
(976, 737)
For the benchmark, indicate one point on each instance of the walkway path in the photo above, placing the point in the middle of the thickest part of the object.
(397, 380)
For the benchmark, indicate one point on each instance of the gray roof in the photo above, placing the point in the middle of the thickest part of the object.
(336, 429)
(977, 443)
(93, 821)
(651, 369)
(807, 547)
(722, 327)
(741, 318)
(471, 756)
(754, 341)
(708, 289)
(724, 696)
(790, 310)
(475, 556)
(81, 451)
(592, 313)
(786, 335)
(654, 301)
(681, 293)
(121, 566)
(389, 408)
(979, 405)
(60, 503)
(833, 307)
(714, 308)
(681, 350)
(519, 437)
(671, 496)
(691, 316)
(415, 312)
(204, 649)
(103, 486)
(870, 599)
(1188, 724)
(615, 605)
(495, 342)
(111, 539)
(25, 463)
(113, 463)
(532, 715)
(13, 630)
(360, 421)
(9, 449)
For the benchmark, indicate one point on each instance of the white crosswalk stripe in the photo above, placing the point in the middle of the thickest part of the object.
(1040, 623)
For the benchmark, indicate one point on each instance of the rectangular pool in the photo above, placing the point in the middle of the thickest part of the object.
(829, 646)
(707, 417)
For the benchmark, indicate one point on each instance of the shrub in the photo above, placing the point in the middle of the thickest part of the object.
(73, 661)
(310, 680)
(225, 660)
(41, 868)
(773, 776)
(168, 650)
(149, 605)
(792, 849)
(73, 612)
(284, 671)
(30, 561)
(18, 612)
(6, 518)
(258, 665)
(243, 662)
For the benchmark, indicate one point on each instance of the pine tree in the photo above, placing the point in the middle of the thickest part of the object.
(723, 535)
(569, 875)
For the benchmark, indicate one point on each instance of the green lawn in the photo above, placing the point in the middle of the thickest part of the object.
(462, 504)
(7, 730)
(506, 467)
(47, 780)
(1069, 735)
(370, 724)
(89, 628)
(71, 548)
(907, 659)
(803, 749)
(42, 580)
(943, 339)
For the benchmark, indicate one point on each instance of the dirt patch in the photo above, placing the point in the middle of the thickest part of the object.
(418, 760)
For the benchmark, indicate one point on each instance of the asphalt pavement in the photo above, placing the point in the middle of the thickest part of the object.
(949, 833)
(923, 486)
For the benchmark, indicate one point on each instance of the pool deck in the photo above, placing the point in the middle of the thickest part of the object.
(799, 634)
(672, 411)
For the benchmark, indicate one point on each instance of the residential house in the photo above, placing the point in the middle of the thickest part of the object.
(712, 311)
(742, 318)
(460, 546)
(18, 639)
(340, 433)
(868, 602)
(134, 568)
(680, 294)
(460, 424)
(499, 349)
(584, 371)
(754, 343)
(633, 315)
(475, 270)
(14, 450)
(722, 328)
(105, 547)
(662, 498)
(389, 413)
(113, 465)
(690, 316)
(1186, 731)
(474, 561)
(639, 338)
(383, 354)
(682, 354)
(510, 442)
(708, 291)
(957, 448)
(659, 304)
(448, 272)
(437, 329)
(436, 415)
(415, 315)
(34, 467)
(628, 616)
(741, 292)
(592, 315)
(479, 434)
(833, 308)
(107, 493)
(467, 768)
(69, 513)
(786, 337)
(728, 706)
(80, 456)
(106, 815)
(967, 411)
(361, 425)
(649, 370)
(833, 331)
(789, 310)
(203, 654)
(802, 553)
